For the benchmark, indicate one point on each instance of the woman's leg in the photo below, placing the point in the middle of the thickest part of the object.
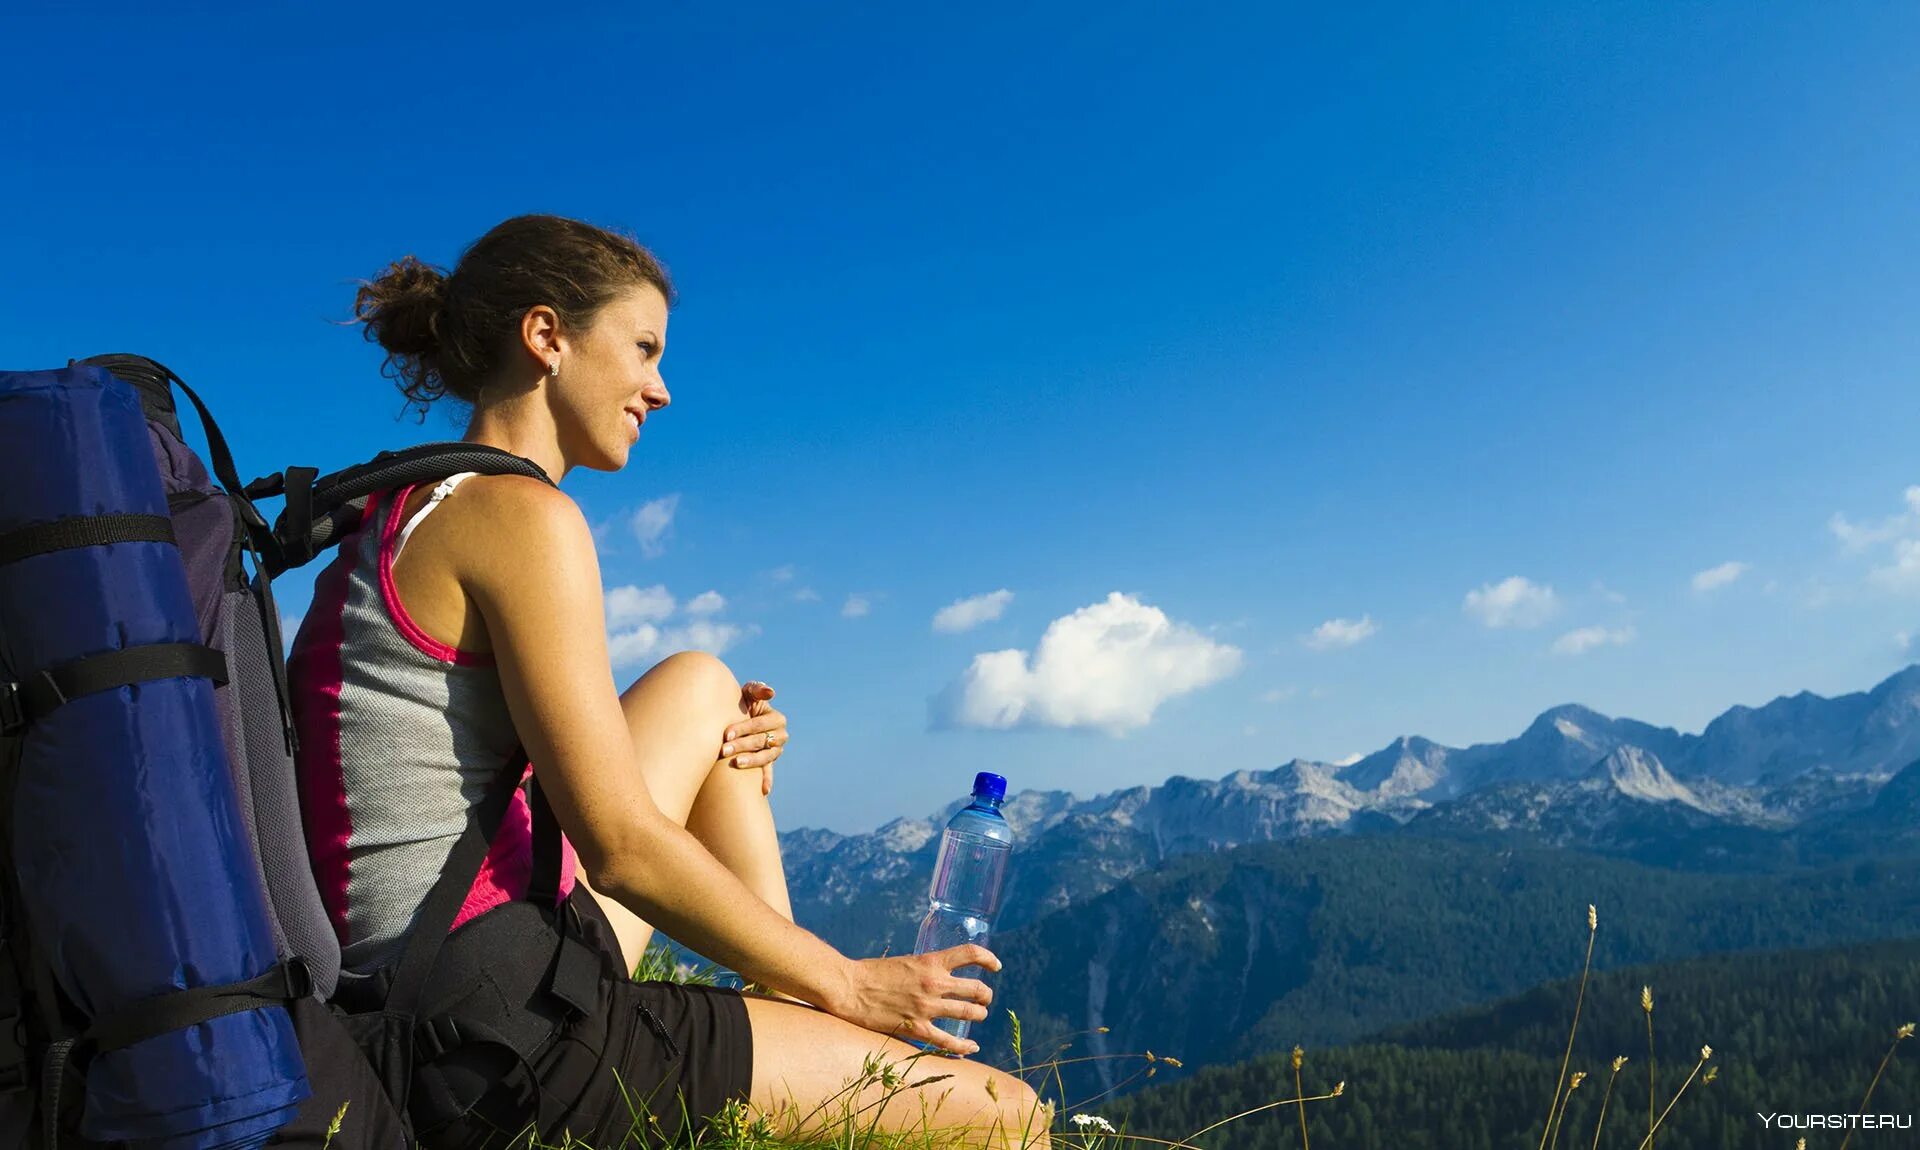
(804, 1062)
(803, 1058)
(676, 712)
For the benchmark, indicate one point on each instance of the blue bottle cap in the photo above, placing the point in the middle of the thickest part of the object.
(989, 786)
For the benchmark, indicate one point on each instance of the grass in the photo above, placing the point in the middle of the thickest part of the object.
(852, 1124)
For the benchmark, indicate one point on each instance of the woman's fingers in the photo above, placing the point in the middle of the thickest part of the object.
(969, 990)
(756, 742)
(764, 739)
(751, 733)
(939, 1039)
(753, 697)
(753, 751)
(969, 954)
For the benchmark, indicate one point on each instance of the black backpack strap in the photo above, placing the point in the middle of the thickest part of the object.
(84, 531)
(319, 512)
(543, 886)
(284, 982)
(435, 918)
(45, 692)
(38, 695)
(573, 978)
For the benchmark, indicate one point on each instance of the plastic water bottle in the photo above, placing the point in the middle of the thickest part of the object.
(967, 880)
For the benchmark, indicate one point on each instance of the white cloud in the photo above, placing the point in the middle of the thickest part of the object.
(1336, 633)
(1902, 639)
(1608, 593)
(709, 635)
(781, 574)
(855, 607)
(1856, 537)
(630, 604)
(1897, 538)
(965, 614)
(806, 595)
(1279, 694)
(1512, 602)
(638, 631)
(647, 643)
(1585, 639)
(1903, 574)
(1349, 760)
(635, 644)
(651, 521)
(1106, 666)
(1714, 578)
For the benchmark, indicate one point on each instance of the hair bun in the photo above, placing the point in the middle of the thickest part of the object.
(402, 308)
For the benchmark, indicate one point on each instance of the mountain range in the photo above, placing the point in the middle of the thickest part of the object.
(1793, 782)
(1313, 902)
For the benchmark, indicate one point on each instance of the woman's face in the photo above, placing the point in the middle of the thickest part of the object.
(610, 380)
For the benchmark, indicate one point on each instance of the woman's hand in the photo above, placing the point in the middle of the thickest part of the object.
(901, 996)
(755, 742)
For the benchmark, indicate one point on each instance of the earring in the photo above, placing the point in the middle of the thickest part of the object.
(553, 367)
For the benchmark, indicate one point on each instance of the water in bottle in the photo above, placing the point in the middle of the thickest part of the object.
(967, 880)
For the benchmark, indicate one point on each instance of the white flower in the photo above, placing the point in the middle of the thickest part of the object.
(1084, 1121)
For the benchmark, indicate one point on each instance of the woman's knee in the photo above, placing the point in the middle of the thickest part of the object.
(701, 666)
(692, 676)
(1023, 1115)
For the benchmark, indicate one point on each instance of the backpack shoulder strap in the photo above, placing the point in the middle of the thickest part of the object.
(321, 511)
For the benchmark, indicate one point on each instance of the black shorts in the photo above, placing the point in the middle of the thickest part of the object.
(652, 1064)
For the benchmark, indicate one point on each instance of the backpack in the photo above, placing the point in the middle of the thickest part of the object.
(168, 975)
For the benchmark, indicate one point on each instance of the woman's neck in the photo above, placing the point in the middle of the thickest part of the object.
(524, 429)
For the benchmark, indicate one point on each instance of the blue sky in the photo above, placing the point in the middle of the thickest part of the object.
(1266, 381)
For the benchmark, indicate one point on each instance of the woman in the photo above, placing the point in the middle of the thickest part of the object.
(464, 625)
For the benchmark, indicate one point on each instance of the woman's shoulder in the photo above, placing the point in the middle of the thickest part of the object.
(518, 497)
(509, 524)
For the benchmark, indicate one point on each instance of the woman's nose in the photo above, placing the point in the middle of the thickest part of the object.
(657, 394)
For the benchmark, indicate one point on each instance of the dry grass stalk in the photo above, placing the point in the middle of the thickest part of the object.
(1646, 1005)
(1618, 1062)
(1299, 1092)
(1557, 1106)
(1706, 1052)
(1905, 1031)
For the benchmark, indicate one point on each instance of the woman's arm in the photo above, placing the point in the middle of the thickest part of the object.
(535, 579)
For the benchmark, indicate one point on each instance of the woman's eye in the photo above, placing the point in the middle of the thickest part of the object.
(647, 348)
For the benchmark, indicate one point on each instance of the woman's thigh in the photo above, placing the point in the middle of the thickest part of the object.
(812, 1071)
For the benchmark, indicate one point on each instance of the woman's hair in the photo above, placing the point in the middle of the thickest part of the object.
(446, 333)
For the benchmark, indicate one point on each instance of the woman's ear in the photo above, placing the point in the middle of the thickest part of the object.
(540, 335)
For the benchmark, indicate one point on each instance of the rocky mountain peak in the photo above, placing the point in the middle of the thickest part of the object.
(1639, 774)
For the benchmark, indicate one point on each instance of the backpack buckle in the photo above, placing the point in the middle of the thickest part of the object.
(13, 710)
(434, 1037)
(299, 978)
